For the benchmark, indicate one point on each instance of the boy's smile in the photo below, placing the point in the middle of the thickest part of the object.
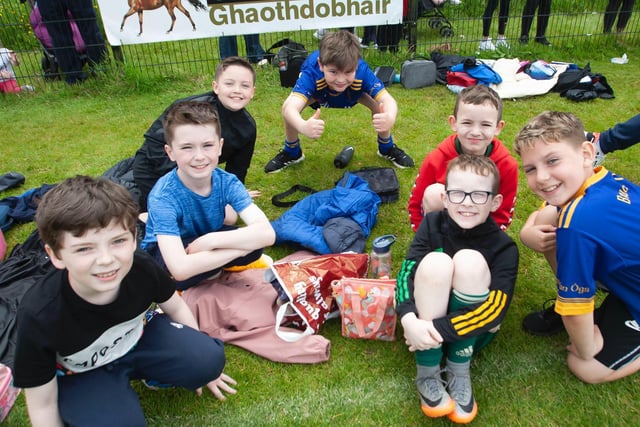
(235, 87)
(97, 261)
(556, 171)
(476, 126)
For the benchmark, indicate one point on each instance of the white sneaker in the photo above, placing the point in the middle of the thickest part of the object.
(502, 42)
(487, 45)
(456, 2)
(263, 62)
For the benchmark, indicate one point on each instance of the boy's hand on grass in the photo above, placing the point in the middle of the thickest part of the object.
(314, 126)
(254, 193)
(382, 121)
(221, 384)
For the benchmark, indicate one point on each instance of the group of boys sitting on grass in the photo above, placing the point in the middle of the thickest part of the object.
(86, 330)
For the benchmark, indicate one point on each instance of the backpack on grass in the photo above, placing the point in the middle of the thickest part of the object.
(288, 59)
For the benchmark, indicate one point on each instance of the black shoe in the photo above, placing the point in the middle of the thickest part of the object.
(524, 39)
(398, 157)
(545, 322)
(543, 41)
(281, 161)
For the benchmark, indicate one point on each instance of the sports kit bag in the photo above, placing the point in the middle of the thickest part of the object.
(367, 307)
(288, 59)
(304, 290)
(417, 73)
(382, 180)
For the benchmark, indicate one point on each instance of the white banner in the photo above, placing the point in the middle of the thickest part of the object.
(147, 21)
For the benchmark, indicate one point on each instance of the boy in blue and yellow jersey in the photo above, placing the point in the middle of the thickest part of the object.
(335, 76)
(455, 286)
(604, 344)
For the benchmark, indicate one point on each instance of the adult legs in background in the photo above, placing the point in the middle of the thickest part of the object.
(503, 17)
(487, 17)
(544, 12)
(369, 35)
(229, 47)
(625, 15)
(54, 16)
(255, 52)
(625, 7)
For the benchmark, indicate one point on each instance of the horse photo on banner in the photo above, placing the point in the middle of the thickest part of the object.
(166, 20)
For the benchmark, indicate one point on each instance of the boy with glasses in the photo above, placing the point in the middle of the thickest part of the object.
(455, 286)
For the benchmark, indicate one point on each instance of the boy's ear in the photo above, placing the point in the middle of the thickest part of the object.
(499, 127)
(57, 262)
(588, 153)
(214, 86)
(169, 152)
(453, 123)
(496, 202)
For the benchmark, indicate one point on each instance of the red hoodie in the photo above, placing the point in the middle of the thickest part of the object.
(434, 168)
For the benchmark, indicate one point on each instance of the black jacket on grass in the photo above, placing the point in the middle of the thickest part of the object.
(438, 232)
(238, 130)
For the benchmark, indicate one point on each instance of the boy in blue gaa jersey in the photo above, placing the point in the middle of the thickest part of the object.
(86, 329)
(539, 231)
(558, 163)
(335, 76)
(455, 286)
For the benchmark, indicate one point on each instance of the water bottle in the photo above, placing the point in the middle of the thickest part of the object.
(344, 157)
(380, 260)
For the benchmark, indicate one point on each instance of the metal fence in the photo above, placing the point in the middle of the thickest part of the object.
(451, 27)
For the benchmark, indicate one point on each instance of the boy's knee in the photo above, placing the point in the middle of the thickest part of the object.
(433, 265)
(469, 259)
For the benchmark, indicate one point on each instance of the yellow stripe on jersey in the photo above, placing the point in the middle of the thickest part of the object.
(321, 84)
(575, 307)
(566, 213)
(481, 316)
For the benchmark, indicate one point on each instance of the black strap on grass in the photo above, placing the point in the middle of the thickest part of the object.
(277, 200)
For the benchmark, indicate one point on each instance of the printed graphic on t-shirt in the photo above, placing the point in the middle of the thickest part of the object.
(111, 345)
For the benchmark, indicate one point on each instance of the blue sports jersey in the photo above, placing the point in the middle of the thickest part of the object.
(312, 85)
(175, 210)
(598, 238)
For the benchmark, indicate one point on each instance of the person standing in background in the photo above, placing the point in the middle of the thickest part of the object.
(55, 17)
(544, 10)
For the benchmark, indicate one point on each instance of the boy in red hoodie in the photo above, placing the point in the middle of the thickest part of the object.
(476, 121)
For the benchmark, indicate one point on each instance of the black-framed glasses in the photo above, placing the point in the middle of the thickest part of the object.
(477, 197)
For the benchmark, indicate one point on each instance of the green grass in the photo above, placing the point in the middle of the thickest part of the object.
(518, 381)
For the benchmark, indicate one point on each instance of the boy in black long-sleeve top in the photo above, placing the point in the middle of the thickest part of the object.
(455, 286)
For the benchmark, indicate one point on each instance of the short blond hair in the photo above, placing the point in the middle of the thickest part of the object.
(548, 127)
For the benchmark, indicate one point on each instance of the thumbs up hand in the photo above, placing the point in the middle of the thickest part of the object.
(314, 126)
(382, 120)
